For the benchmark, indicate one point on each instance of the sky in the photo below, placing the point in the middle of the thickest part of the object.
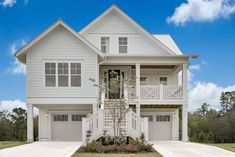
(202, 27)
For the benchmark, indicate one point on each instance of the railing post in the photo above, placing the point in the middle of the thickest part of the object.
(102, 99)
(161, 92)
(137, 68)
(128, 121)
(100, 120)
(84, 129)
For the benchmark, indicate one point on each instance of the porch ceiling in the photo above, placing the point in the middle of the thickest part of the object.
(157, 106)
(149, 66)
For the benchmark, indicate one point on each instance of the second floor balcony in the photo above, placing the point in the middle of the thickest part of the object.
(153, 84)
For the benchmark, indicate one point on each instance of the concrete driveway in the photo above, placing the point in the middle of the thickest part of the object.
(187, 149)
(42, 149)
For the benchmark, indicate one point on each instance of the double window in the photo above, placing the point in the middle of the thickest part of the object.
(122, 44)
(63, 74)
(105, 44)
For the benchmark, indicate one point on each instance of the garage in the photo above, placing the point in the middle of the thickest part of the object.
(160, 125)
(66, 126)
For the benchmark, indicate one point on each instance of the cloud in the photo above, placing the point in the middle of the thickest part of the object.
(206, 92)
(16, 66)
(202, 11)
(10, 3)
(192, 68)
(7, 3)
(10, 104)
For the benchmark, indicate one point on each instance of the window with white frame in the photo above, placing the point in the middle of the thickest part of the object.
(163, 80)
(63, 74)
(75, 71)
(105, 44)
(77, 117)
(122, 44)
(50, 74)
(163, 118)
(60, 117)
(143, 80)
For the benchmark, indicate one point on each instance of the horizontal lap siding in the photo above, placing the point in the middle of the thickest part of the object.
(114, 26)
(60, 45)
(154, 74)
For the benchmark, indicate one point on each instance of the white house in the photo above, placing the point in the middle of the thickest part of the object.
(60, 62)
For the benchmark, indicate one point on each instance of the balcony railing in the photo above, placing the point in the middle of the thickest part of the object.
(161, 92)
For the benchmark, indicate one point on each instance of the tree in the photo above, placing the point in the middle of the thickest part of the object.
(204, 109)
(227, 101)
(19, 121)
(6, 132)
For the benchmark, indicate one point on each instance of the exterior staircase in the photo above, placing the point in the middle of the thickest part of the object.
(132, 124)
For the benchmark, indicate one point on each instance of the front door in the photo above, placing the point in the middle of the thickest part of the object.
(114, 84)
(115, 87)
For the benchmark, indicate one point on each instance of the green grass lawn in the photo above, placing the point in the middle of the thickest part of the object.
(5, 144)
(227, 146)
(152, 154)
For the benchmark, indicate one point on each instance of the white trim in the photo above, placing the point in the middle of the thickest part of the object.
(146, 33)
(53, 26)
(60, 100)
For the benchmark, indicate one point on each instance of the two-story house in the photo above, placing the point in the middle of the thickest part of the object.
(60, 62)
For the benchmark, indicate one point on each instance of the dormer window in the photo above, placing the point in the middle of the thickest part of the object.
(105, 44)
(122, 44)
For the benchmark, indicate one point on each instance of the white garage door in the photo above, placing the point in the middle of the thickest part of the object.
(66, 127)
(160, 126)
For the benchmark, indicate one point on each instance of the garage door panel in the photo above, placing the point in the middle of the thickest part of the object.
(160, 126)
(67, 130)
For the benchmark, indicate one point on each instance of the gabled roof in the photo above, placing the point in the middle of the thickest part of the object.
(20, 53)
(129, 19)
(169, 42)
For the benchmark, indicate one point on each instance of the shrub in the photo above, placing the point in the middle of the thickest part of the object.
(135, 146)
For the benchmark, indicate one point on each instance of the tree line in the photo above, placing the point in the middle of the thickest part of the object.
(13, 125)
(216, 126)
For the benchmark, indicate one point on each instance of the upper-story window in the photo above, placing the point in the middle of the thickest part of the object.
(50, 74)
(163, 80)
(122, 44)
(143, 80)
(105, 44)
(75, 70)
(63, 74)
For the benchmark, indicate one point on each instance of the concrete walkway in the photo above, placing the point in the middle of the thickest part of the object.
(42, 149)
(187, 149)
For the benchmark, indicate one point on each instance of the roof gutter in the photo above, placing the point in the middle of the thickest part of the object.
(104, 61)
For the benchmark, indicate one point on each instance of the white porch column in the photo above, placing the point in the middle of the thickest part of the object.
(30, 123)
(185, 82)
(185, 105)
(137, 73)
(185, 123)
